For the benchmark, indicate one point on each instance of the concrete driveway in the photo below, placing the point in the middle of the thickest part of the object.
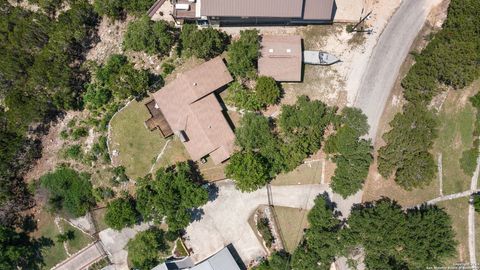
(225, 220)
(84, 258)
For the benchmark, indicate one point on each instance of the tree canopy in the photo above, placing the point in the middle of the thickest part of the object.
(18, 250)
(121, 213)
(69, 190)
(249, 170)
(117, 9)
(152, 37)
(174, 192)
(144, 250)
(351, 154)
(204, 43)
(243, 54)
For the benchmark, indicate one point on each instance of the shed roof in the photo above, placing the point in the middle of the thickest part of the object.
(189, 105)
(222, 260)
(318, 9)
(281, 58)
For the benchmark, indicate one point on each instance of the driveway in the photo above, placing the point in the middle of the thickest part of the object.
(389, 54)
(225, 220)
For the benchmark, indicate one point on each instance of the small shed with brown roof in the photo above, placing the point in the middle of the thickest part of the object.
(193, 111)
(281, 58)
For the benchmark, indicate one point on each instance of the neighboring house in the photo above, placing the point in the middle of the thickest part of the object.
(189, 108)
(281, 58)
(222, 260)
(254, 12)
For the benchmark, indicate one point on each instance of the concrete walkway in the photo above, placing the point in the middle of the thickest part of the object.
(84, 258)
(225, 220)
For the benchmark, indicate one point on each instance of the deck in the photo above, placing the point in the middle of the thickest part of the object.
(157, 120)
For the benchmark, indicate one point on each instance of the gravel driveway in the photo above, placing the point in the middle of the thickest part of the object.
(225, 220)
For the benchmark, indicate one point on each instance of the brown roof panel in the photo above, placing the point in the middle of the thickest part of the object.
(281, 58)
(189, 105)
(318, 10)
(252, 8)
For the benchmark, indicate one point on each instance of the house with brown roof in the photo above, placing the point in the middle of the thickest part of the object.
(189, 108)
(255, 12)
(281, 58)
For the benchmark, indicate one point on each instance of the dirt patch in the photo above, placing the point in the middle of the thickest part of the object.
(51, 146)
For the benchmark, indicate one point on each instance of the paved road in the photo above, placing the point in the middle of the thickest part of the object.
(225, 220)
(389, 54)
(83, 258)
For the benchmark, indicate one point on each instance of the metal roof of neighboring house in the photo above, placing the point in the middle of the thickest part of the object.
(252, 8)
(222, 260)
(318, 9)
(281, 58)
(189, 105)
(302, 9)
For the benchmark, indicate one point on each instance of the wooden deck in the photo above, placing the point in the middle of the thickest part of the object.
(157, 120)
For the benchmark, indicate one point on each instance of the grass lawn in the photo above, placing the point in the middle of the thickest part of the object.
(47, 228)
(80, 240)
(174, 152)
(455, 136)
(180, 250)
(99, 217)
(302, 175)
(137, 146)
(212, 172)
(458, 211)
(292, 222)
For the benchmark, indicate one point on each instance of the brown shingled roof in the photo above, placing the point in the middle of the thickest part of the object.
(318, 9)
(281, 58)
(190, 105)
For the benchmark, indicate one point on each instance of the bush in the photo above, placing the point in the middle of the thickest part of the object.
(121, 213)
(74, 152)
(203, 43)
(69, 190)
(167, 68)
(144, 249)
(117, 9)
(476, 202)
(241, 97)
(103, 193)
(79, 133)
(243, 54)
(151, 37)
(263, 226)
(267, 91)
(66, 236)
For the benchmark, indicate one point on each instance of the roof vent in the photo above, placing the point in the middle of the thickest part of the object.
(194, 84)
(289, 50)
(270, 50)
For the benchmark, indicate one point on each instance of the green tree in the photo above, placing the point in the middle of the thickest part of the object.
(174, 193)
(406, 151)
(267, 91)
(253, 132)
(243, 54)
(69, 190)
(144, 250)
(152, 37)
(117, 9)
(18, 250)
(351, 154)
(121, 213)
(321, 240)
(241, 97)
(204, 43)
(249, 170)
(66, 236)
(278, 261)
(476, 202)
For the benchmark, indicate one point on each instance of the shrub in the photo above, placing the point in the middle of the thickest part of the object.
(476, 202)
(117, 9)
(167, 68)
(64, 134)
(267, 91)
(151, 37)
(74, 152)
(79, 133)
(66, 236)
(263, 226)
(69, 190)
(121, 213)
(241, 97)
